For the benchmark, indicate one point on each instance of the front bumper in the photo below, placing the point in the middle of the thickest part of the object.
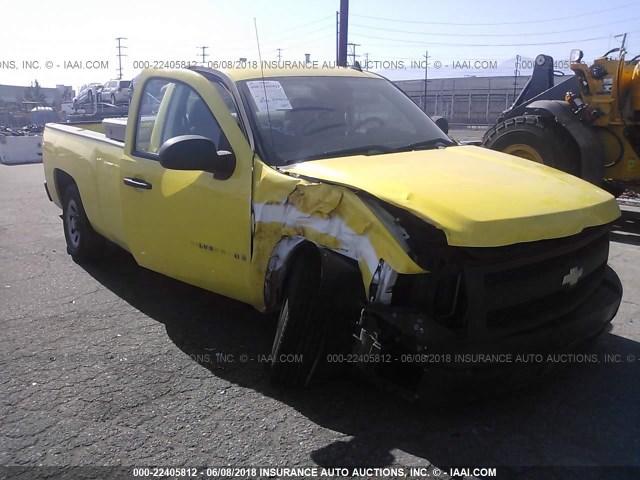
(429, 345)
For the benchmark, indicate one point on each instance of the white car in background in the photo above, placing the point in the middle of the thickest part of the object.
(88, 94)
(116, 92)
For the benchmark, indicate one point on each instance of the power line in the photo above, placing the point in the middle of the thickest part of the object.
(278, 37)
(492, 34)
(423, 42)
(297, 35)
(314, 40)
(526, 22)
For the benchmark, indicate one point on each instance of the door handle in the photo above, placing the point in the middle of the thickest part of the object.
(137, 183)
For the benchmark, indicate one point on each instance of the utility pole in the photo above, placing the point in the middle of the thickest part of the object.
(426, 77)
(204, 54)
(366, 61)
(120, 55)
(515, 77)
(623, 45)
(344, 33)
(279, 54)
(337, 37)
(353, 52)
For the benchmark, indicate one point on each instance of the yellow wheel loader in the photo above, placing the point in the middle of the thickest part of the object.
(587, 125)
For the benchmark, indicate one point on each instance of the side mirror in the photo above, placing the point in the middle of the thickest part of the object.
(195, 152)
(442, 123)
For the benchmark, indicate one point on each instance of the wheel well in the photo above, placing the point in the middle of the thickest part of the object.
(62, 181)
(590, 150)
(335, 269)
(280, 268)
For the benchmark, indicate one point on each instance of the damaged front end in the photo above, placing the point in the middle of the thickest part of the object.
(477, 303)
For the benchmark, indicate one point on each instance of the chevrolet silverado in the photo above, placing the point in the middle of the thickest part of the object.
(330, 197)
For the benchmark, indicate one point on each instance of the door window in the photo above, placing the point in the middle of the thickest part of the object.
(170, 109)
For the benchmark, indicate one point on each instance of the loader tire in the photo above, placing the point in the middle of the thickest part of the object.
(537, 139)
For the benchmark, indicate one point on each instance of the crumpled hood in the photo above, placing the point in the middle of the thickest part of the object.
(478, 197)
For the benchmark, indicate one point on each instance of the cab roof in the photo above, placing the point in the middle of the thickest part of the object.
(239, 74)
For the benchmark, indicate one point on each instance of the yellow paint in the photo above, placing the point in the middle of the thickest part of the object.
(335, 206)
(156, 133)
(253, 73)
(316, 199)
(221, 234)
(507, 200)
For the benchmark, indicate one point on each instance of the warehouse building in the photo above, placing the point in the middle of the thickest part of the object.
(465, 100)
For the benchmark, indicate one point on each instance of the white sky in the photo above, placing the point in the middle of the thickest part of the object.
(400, 30)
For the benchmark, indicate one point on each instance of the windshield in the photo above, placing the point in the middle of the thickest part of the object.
(308, 118)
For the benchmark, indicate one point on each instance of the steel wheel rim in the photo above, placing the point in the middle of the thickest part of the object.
(524, 151)
(73, 224)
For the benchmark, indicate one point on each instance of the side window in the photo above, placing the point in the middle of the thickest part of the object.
(152, 114)
(188, 114)
(226, 98)
(170, 109)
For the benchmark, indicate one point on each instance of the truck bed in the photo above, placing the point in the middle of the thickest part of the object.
(86, 153)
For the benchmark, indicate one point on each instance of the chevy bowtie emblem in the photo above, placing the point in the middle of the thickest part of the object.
(573, 276)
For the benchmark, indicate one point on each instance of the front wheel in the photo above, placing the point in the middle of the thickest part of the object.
(300, 335)
(83, 243)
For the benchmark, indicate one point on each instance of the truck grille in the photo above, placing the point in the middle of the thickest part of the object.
(534, 294)
(529, 292)
(496, 292)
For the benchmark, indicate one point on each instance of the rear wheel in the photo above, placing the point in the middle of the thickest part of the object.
(83, 243)
(533, 138)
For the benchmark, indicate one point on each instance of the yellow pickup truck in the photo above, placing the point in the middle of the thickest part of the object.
(329, 196)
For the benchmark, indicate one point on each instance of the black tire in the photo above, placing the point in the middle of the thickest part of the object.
(83, 243)
(301, 328)
(546, 142)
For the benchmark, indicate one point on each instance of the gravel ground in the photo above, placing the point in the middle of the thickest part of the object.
(114, 365)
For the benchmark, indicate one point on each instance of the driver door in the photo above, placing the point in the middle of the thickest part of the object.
(187, 224)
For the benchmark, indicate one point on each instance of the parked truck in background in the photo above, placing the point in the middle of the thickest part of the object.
(330, 197)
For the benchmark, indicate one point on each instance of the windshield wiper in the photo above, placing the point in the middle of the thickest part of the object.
(425, 144)
(364, 150)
